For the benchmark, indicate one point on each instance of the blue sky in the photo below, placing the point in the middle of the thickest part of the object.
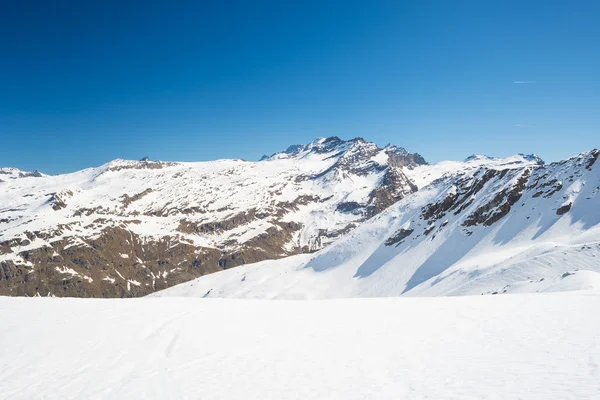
(82, 83)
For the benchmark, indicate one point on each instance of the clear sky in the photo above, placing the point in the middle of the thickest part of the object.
(84, 82)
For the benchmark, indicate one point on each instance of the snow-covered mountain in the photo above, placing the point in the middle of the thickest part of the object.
(331, 218)
(482, 226)
(128, 228)
(7, 173)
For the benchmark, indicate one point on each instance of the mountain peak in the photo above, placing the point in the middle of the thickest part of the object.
(15, 173)
(516, 159)
(392, 148)
(534, 158)
(357, 145)
(478, 157)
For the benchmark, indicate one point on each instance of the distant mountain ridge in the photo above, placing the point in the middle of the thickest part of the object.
(7, 173)
(323, 145)
(528, 157)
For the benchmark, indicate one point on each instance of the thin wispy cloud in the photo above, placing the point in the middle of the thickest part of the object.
(521, 126)
(523, 82)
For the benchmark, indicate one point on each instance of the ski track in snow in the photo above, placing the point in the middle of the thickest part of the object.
(533, 346)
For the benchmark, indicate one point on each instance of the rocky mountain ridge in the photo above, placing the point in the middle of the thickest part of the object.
(483, 227)
(7, 173)
(128, 228)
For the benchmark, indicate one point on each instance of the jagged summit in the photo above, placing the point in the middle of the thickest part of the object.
(357, 147)
(392, 148)
(478, 157)
(516, 159)
(316, 146)
(534, 158)
(7, 173)
(144, 163)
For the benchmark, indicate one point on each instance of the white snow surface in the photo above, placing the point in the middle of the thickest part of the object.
(531, 249)
(522, 346)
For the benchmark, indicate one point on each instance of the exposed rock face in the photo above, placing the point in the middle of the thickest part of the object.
(593, 159)
(116, 264)
(502, 202)
(59, 200)
(489, 194)
(564, 209)
(400, 157)
(128, 228)
(398, 237)
(394, 186)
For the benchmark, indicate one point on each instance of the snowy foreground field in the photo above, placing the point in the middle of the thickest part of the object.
(528, 346)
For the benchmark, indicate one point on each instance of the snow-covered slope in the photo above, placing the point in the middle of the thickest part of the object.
(543, 346)
(128, 228)
(484, 226)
